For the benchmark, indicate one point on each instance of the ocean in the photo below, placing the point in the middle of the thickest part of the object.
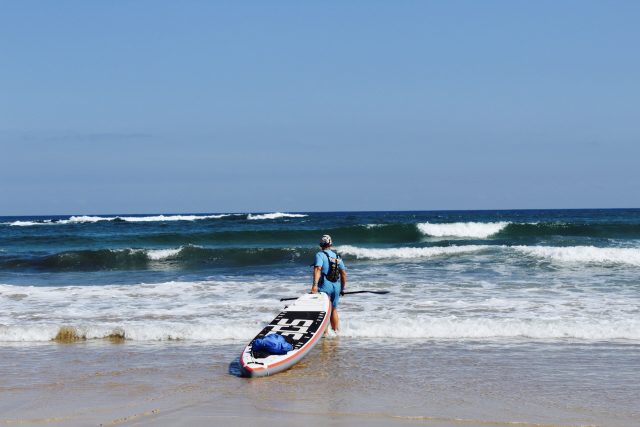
(485, 275)
(535, 301)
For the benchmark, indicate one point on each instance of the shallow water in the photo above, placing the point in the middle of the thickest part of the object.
(352, 382)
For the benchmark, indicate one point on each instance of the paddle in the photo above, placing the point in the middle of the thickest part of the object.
(346, 293)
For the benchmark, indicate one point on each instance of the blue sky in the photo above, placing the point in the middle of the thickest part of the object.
(139, 107)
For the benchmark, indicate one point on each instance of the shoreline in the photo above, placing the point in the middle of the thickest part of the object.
(344, 381)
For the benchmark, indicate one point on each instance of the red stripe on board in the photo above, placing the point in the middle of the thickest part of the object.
(258, 369)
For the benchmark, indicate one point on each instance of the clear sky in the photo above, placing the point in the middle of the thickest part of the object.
(203, 106)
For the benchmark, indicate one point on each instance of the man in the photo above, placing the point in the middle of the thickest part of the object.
(328, 266)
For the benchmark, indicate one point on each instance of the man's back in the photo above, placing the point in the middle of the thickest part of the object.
(324, 259)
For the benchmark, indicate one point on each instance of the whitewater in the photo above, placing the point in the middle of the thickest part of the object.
(218, 310)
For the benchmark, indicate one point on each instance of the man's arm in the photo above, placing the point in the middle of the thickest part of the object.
(317, 272)
(343, 280)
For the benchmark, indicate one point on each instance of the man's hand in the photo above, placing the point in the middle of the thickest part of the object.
(314, 289)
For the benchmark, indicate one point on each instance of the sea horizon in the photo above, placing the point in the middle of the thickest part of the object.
(245, 212)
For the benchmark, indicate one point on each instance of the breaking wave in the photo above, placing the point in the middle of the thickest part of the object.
(29, 223)
(153, 218)
(82, 219)
(91, 219)
(504, 229)
(583, 254)
(479, 230)
(211, 331)
(275, 215)
(160, 254)
(495, 328)
(422, 328)
(408, 253)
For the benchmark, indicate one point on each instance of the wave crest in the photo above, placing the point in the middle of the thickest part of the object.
(478, 230)
(135, 332)
(153, 218)
(29, 223)
(583, 254)
(487, 328)
(424, 328)
(275, 215)
(408, 253)
(80, 219)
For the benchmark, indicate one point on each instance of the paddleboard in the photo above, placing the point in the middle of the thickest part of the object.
(301, 323)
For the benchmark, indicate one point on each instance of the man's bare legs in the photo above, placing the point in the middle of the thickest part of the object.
(335, 320)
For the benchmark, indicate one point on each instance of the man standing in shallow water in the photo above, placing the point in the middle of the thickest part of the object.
(327, 262)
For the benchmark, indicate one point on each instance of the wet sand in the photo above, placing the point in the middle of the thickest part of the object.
(343, 382)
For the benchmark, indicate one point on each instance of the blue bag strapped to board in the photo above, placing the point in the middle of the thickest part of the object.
(272, 344)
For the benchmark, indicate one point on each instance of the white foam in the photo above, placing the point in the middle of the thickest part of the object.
(154, 218)
(17, 333)
(584, 254)
(487, 328)
(275, 215)
(28, 223)
(478, 230)
(154, 254)
(85, 218)
(237, 310)
(426, 328)
(408, 253)
(79, 219)
(160, 254)
(135, 331)
(174, 310)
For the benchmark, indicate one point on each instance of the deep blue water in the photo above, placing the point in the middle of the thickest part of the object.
(125, 248)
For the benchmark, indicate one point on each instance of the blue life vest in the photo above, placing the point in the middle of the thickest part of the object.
(272, 344)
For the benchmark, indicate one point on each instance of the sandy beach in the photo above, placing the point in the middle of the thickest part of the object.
(343, 382)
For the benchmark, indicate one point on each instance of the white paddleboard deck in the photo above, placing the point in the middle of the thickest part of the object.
(303, 322)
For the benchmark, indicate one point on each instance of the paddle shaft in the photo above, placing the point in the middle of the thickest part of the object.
(346, 293)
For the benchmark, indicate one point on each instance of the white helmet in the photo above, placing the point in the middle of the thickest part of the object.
(325, 241)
